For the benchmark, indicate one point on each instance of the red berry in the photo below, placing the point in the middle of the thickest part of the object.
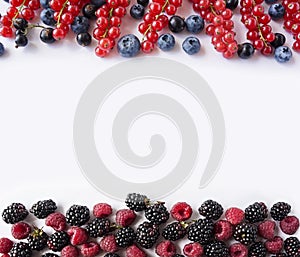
(157, 25)
(12, 12)
(176, 3)
(115, 21)
(165, 249)
(108, 244)
(57, 221)
(264, 19)
(119, 11)
(171, 9)
(125, 217)
(124, 3)
(220, 5)
(105, 44)
(181, 211)
(98, 33)
(64, 27)
(56, 5)
(228, 54)
(67, 18)
(266, 229)
(5, 21)
(296, 46)
(193, 250)
(73, 9)
(78, 235)
(148, 18)
(100, 52)
(102, 23)
(147, 46)
(234, 215)
(5, 255)
(238, 250)
(163, 19)
(223, 230)
(258, 10)
(5, 245)
(59, 34)
(101, 13)
(258, 44)
(134, 251)
(69, 251)
(102, 210)
(267, 50)
(113, 32)
(289, 225)
(143, 27)
(274, 245)
(20, 230)
(155, 8)
(152, 36)
(90, 249)
(112, 3)
(6, 31)
(15, 3)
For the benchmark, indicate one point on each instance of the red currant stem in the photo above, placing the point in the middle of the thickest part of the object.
(109, 17)
(212, 10)
(145, 33)
(260, 33)
(164, 6)
(16, 15)
(60, 12)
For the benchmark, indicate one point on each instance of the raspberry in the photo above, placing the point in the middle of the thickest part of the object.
(266, 229)
(108, 244)
(216, 249)
(5, 245)
(20, 230)
(90, 249)
(289, 225)
(98, 227)
(292, 246)
(125, 237)
(136, 202)
(211, 210)
(181, 211)
(147, 234)
(134, 251)
(5, 255)
(223, 230)
(37, 240)
(238, 250)
(274, 245)
(193, 250)
(42, 209)
(78, 235)
(201, 231)
(256, 212)
(57, 241)
(174, 231)
(57, 221)
(20, 249)
(69, 251)
(102, 210)
(234, 215)
(77, 215)
(280, 210)
(157, 213)
(257, 250)
(245, 233)
(125, 217)
(14, 213)
(165, 249)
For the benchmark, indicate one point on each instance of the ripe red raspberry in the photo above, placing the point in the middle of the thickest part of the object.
(102, 210)
(223, 230)
(69, 251)
(193, 250)
(289, 225)
(20, 230)
(266, 229)
(108, 244)
(274, 245)
(181, 211)
(234, 215)
(165, 249)
(90, 249)
(78, 235)
(134, 251)
(125, 217)
(5, 245)
(5, 255)
(57, 221)
(238, 250)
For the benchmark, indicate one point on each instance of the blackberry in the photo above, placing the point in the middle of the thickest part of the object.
(211, 210)
(98, 227)
(111, 255)
(257, 250)
(125, 236)
(279, 255)
(256, 212)
(147, 234)
(245, 233)
(77, 215)
(157, 213)
(37, 240)
(136, 202)
(174, 231)
(280, 210)
(201, 231)
(178, 255)
(20, 249)
(216, 249)
(14, 213)
(292, 246)
(58, 240)
(49, 255)
(42, 209)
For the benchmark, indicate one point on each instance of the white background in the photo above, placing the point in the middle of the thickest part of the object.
(41, 85)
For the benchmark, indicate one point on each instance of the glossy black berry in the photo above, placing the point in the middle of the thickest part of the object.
(201, 231)
(20, 249)
(125, 236)
(46, 35)
(143, 2)
(279, 40)
(98, 227)
(14, 213)
(157, 213)
(280, 210)
(21, 40)
(57, 241)
(37, 240)
(98, 3)
(216, 249)
(77, 215)
(174, 231)
(245, 50)
(136, 201)
(50, 255)
(256, 212)
(84, 39)
(147, 234)
(111, 255)
(176, 24)
(20, 23)
(245, 233)
(257, 250)
(232, 4)
(42, 209)
(137, 11)
(89, 11)
(211, 210)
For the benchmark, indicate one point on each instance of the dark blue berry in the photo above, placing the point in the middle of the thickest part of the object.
(283, 54)
(137, 11)
(46, 35)
(245, 50)
(89, 11)
(80, 24)
(276, 11)
(194, 24)
(44, 3)
(143, 2)
(176, 24)
(271, 1)
(278, 41)
(98, 3)
(232, 4)
(191, 45)
(2, 50)
(128, 45)
(84, 39)
(166, 42)
(47, 17)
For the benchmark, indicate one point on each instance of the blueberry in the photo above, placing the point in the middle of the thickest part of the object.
(44, 3)
(276, 11)
(47, 17)
(194, 24)
(245, 50)
(176, 24)
(137, 11)
(232, 4)
(143, 2)
(46, 36)
(271, 1)
(278, 41)
(2, 50)
(80, 24)
(283, 54)
(191, 45)
(128, 45)
(98, 3)
(84, 39)
(166, 42)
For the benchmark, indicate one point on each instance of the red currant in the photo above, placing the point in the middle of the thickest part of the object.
(114, 32)
(147, 46)
(157, 25)
(105, 44)
(171, 9)
(58, 34)
(101, 52)
(102, 23)
(27, 14)
(119, 11)
(152, 36)
(115, 21)
(6, 31)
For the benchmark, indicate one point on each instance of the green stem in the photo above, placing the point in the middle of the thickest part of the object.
(16, 15)
(61, 10)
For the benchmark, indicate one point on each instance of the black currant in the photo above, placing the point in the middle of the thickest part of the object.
(21, 40)
(232, 4)
(46, 35)
(143, 2)
(89, 11)
(278, 41)
(20, 23)
(84, 39)
(245, 50)
(176, 24)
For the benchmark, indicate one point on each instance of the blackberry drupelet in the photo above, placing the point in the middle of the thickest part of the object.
(174, 231)
(14, 213)
(157, 213)
(147, 234)
(98, 227)
(211, 210)
(257, 250)
(37, 240)
(58, 240)
(49, 255)
(136, 202)
(280, 210)
(42, 209)
(201, 231)
(216, 249)
(245, 233)
(111, 255)
(292, 246)
(20, 249)
(77, 215)
(178, 255)
(279, 255)
(256, 212)
(125, 236)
